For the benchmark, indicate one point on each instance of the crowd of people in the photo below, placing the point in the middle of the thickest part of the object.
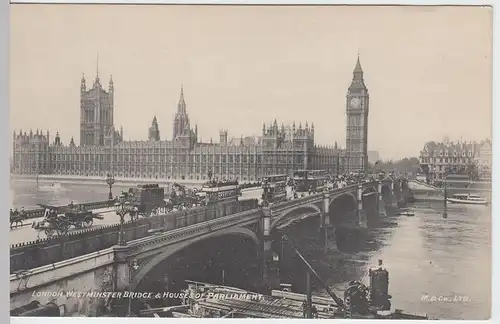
(16, 212)
(215, 182)
(296, 190)
(248, 185)
(347, 179)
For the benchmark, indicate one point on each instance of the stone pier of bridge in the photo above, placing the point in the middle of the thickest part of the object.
(371, 204)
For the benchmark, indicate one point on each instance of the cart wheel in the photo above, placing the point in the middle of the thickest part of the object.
(49, 232)
(63, 227)
(154, 212)
(88, 221)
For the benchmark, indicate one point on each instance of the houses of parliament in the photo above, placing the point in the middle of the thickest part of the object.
(279, 149)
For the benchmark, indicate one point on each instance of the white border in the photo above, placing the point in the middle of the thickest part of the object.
(271, 2)
(4, 95)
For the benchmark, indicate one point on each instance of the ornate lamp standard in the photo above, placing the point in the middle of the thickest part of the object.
(110, 180)
(122, 208)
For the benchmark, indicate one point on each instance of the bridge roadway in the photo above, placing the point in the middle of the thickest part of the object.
(27, 234)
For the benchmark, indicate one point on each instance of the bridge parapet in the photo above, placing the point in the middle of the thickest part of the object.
(39, 212)
(38, 253)
(289, 204)
(153, 242)
(45, 275)
(314, 198)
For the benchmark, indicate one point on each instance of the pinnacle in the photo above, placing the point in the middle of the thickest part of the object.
(358, 67)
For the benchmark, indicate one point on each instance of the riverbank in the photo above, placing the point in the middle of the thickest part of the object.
(101, 181)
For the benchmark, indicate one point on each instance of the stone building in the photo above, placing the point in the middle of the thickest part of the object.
(437, 158)
(96, 112)
(484, 160)
(280, 149)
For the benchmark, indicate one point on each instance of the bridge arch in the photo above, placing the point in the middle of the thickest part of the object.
(340, 205)
(348, 196)
(173, 249)
(310, 207)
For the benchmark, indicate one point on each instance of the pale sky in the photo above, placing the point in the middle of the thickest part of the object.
(428, 69)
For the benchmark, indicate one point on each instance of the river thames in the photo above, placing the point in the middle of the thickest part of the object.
(441, 267)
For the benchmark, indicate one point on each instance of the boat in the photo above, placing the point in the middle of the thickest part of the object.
(406, 213)
(467, 199)
(52, 186)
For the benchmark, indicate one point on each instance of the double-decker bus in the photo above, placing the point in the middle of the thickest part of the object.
(217, 191)
(310, 180)
(274, 188)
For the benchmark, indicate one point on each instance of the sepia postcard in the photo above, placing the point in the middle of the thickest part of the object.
(251, 161)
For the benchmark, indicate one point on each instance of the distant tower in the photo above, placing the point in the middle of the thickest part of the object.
(154, 132)
(96, 111)
(57, 140)
(181, 120)
(223, 139)
(357, 107)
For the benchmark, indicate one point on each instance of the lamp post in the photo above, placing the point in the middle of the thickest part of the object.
(110, 180)
(122, 208)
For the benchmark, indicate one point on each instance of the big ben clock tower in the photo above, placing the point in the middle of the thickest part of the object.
(357, 106)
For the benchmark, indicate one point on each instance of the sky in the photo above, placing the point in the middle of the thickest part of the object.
(428, 69)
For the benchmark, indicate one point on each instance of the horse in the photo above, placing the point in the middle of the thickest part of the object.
(134, 214)
(50, 218)
(16, 219)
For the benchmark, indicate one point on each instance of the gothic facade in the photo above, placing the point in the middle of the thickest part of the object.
(280, 149)
(357, 108)
(96, 112)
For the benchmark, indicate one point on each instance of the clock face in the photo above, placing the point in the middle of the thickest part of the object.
(355, 102)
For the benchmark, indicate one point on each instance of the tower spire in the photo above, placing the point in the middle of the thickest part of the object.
(357, 76)
(358, 68)
(181, 108)
(97, 82)
(83, 87)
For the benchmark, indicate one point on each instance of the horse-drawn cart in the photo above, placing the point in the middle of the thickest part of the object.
(182, 197)
(17, 218)
(60, 219)
(146, 200)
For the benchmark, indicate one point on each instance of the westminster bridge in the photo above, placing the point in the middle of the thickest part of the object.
(90, 261)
